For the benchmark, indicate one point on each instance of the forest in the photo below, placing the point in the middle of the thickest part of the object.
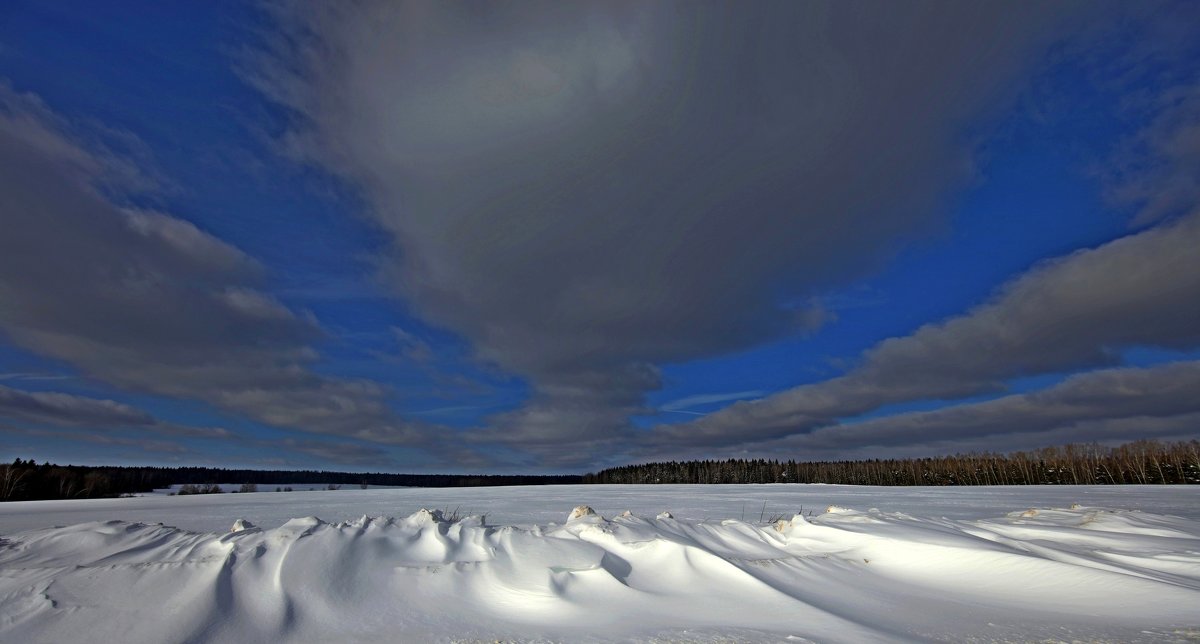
(26, 480)
(1139, 462)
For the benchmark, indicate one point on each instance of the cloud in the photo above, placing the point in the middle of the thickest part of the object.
(33, 376)
(143, 444)
(1074, 312)
(1108, 431)
(189, 244)
(148, 302)
(1111, 406)
(1109, 395)
(69, 410)
(585, 190)
(413, 348)
(1162, 162)
(707, 399)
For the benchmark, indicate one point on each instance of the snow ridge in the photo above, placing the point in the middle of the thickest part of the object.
(845, 575)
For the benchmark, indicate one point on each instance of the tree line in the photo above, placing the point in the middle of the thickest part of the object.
(27, 480)
(1139, 462)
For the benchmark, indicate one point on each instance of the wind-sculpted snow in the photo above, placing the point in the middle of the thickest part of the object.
(841, 576)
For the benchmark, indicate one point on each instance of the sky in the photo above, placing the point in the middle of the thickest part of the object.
(555, 237)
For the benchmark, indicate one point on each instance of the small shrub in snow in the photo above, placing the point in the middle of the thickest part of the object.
(208, 488)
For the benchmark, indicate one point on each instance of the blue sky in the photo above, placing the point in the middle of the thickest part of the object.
(411, 237)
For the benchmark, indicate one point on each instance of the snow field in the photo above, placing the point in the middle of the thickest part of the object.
(844, 575)
(540, 505)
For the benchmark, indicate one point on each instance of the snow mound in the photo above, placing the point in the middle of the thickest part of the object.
(844, 576)
(581, 511)
(426, 517)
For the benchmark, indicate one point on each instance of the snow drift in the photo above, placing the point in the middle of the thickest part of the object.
(845, 575)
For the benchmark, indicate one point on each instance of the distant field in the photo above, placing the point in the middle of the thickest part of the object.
(545, 504)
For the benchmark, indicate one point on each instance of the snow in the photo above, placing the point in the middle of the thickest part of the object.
(686, 563)
(581, 511)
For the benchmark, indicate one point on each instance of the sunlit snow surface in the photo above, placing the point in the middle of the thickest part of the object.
(952, 564)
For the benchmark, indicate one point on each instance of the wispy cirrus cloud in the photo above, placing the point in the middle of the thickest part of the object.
(33, 376)
(688, 402)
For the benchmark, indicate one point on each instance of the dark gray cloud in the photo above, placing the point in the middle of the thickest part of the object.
(1073, 312)
(1156, 392)
(69, 410)
(583, 190)
(1113, 405)
(149, 302)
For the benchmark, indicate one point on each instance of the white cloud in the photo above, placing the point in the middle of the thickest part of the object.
(688, 402)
